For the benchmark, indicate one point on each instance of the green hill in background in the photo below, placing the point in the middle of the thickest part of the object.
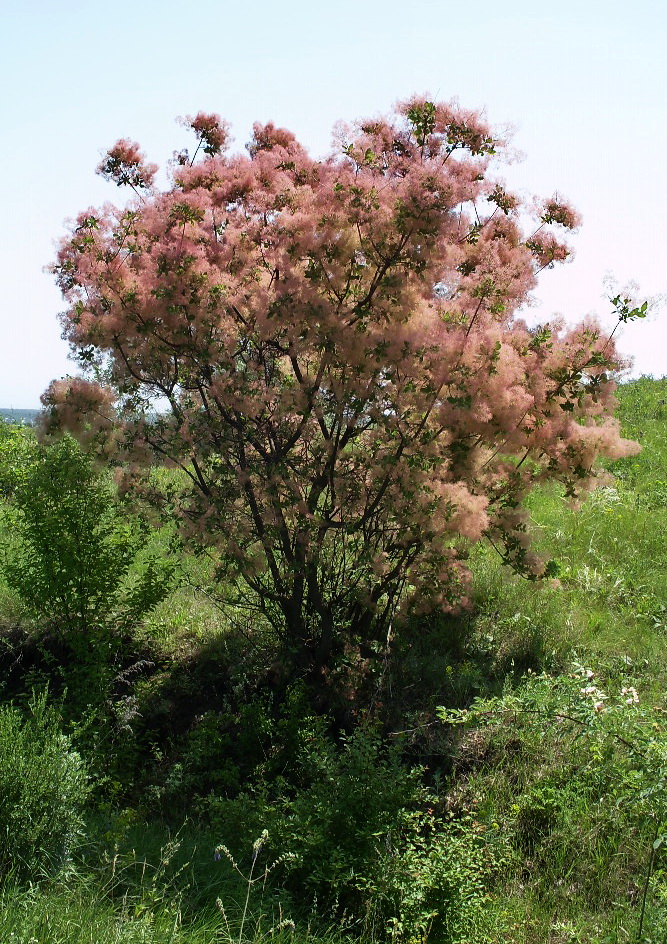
(11, 415)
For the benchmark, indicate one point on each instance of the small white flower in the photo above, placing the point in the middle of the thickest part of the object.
(632, 696)
(584, 672)
(593, 691)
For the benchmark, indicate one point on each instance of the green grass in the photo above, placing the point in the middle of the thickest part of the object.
(145, 885)
(612, 591)
(572, 795)
(579, 874)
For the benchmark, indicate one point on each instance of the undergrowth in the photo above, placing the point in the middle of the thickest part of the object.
(505, 781)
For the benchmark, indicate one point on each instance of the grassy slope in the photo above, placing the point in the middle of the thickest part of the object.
(611, 551)
(583, 879)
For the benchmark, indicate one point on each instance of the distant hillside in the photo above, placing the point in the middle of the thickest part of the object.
(10, 415)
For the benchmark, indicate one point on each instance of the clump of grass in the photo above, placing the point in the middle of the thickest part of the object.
(163, 892)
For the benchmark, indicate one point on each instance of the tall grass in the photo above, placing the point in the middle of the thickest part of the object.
(161, 890)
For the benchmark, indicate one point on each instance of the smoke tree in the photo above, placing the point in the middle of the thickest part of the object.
(331, 353)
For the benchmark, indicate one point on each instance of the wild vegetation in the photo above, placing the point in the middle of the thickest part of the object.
(505, 780)
(342, 613)
(346, 384)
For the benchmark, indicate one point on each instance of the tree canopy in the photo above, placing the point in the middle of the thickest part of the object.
(332, 353)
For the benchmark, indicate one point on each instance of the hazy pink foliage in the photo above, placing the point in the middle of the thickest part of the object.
(211, 131)
(558, 211)
(84, 408)
(349, 387)
(125, 164)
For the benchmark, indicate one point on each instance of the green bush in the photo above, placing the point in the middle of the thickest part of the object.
(75, 547)
(362, 838)
(17, 448)
(73, 556)
(43, 786)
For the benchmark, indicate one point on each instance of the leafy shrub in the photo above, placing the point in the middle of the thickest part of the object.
(250, 738)
(362, 839)
(17, 447)
(207, 761)
(43, 785)
(73, 557)
(76, 547)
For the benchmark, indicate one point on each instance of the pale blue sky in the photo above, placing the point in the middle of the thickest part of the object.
(583, 83)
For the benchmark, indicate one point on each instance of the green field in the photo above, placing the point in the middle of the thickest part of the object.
(498, 776)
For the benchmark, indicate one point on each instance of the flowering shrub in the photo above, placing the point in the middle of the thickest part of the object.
(348, 387)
